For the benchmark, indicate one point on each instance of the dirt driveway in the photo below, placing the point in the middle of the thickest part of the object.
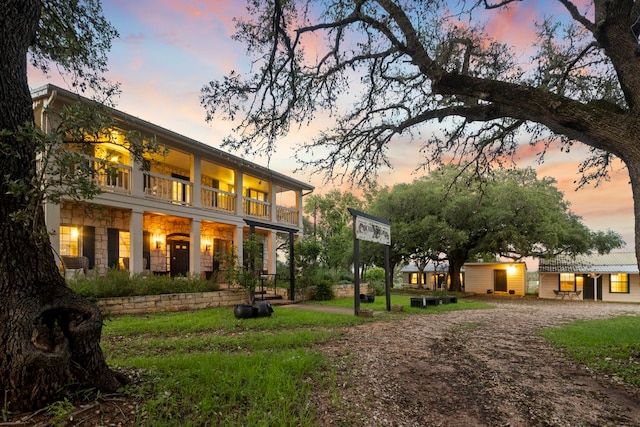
(474, 368)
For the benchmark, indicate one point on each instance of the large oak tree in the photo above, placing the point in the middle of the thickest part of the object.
(453, 216)
(50, 337)
(385, 68)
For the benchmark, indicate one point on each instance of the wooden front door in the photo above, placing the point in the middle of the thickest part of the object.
(179, 264)
(500, 280)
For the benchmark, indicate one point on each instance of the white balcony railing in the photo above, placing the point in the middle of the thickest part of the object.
(214, 199)
(168, 189)
(287, 215)
(108, 176)
(256, 208)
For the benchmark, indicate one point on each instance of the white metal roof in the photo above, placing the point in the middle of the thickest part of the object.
(614, 262)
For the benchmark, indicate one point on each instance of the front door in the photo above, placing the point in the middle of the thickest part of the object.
(500, 280)
(179, 251)
(591, 292)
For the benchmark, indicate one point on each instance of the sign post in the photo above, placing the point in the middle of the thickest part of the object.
(371, 229)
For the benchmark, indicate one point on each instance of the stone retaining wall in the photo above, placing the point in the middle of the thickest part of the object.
(171, 302)
(194, 301)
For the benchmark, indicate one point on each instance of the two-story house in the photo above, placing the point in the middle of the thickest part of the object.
(193, 205)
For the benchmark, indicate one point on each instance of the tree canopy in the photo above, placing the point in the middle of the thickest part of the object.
(382, 69)
(331, 226)
(454, 216)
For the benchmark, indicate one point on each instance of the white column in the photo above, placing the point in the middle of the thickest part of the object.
(136, 241)
(194, 248)
(196, 179)
(271, 251)
(239, 194)
(299, 206)
(238, 243)
(137, 179)
(52, 220)
(274, 204)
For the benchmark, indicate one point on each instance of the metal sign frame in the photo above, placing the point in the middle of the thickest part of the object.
(371, 229)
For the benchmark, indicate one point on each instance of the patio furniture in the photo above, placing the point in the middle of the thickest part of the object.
(74, 265)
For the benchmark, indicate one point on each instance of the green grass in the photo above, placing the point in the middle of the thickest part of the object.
(611, 346)
(208, 368)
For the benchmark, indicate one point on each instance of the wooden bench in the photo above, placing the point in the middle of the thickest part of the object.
(424, 302)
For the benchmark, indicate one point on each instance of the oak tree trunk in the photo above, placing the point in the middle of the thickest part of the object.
(50, 337)
(455, 265)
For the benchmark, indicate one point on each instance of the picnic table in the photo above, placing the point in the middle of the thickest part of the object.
(569, 294)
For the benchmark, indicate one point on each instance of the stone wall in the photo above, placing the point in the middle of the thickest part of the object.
(194, 301)
(339, 291)
(170, 302)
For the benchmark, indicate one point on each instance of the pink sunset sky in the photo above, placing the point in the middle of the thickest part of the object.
(168, 50)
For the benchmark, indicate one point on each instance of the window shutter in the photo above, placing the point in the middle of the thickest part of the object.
(89, 244)
(113, 247)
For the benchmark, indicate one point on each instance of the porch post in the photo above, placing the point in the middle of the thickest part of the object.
(52, 219)
(271, 250)
(274, 206)
(194, 247)
(137, 179)
(238, 243)
(299, 208)
(196, 180)
(136, 241)
(239, 196)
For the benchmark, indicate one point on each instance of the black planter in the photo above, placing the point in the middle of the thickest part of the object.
(244, 311)
(371, 298)
(264, 309)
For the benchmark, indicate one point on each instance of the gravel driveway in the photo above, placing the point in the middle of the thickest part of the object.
(474, 368)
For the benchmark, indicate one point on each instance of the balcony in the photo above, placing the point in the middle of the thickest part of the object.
(287, 215)
(255, 208)
(118, 178)
(168, 189)
(108, 176)
(217, 200)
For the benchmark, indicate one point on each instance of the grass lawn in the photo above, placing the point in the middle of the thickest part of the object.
(611, 346)
(206, 367)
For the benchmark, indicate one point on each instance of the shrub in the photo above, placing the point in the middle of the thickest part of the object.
(374, 275)
(119, 283)
(324, 289)
(345, 277)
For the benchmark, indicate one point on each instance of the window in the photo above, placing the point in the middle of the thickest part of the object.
(619, 283)
(69, 241)
(257, 205)
(124, 243)
(181, 190)
(413, 278)
(568, 282)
